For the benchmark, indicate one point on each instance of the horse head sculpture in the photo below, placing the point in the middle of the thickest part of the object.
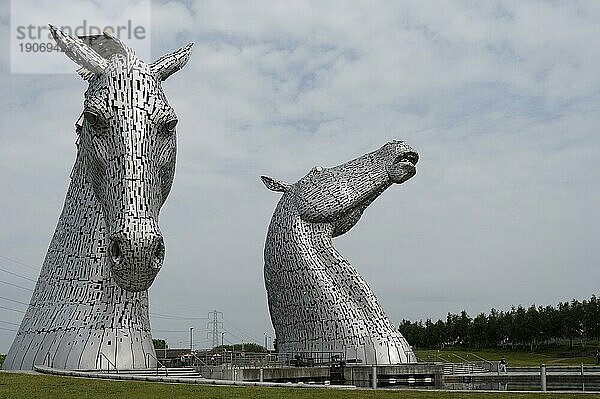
(90, 303)
(339, 195)
(317, 300)
(127, 136)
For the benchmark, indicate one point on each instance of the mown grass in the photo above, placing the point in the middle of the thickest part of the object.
(27, 386)
(548, 356)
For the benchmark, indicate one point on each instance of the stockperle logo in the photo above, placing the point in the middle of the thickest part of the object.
(33, 50)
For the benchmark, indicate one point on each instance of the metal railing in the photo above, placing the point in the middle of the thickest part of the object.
(101, 355)
(197, 360)
(464, 368)
(490, 365)
(432, 357)
(464, 364)
(148, 355)
(229, 359)
(462, 359)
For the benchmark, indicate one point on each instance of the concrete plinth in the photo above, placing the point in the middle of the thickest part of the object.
(412, 375)
(402, 375)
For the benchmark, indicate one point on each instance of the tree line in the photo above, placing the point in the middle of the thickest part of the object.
(518, 327)
(246, 346)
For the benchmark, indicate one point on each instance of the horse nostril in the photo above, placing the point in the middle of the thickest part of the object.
(159, 251)
(115, 252)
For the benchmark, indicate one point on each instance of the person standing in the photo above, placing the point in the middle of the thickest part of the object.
(502, 365)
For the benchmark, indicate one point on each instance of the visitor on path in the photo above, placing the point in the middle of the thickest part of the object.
(597, 357)
(502, 365)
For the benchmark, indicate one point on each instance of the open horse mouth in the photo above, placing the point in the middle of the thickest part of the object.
(409, 157)
(403, 167)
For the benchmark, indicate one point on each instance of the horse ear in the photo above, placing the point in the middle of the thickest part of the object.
(79, 52)
(168, 64)
(275, 185)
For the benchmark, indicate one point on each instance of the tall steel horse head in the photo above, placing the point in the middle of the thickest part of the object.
(318, 301)
(90, 303)
(127, 138)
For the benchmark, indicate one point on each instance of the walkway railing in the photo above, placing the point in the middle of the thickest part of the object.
(463, 366)
(265, 360)
(158, 362)
(101, 356)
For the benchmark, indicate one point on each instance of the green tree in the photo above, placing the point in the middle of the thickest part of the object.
(520, 326)
(479, 331)
(550, 324)
(159, 344)
(463, 328)
(519, 332)
(440, 333)
(452, 330)
(592, 318)
(413, 332)
(432, 338)
(246, 346)
(564, 315)
(532, 327)
(493, 331)
(578, 320)
(571, 327)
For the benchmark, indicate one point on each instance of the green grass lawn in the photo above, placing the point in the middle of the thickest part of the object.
(27, 386)
(550, 357)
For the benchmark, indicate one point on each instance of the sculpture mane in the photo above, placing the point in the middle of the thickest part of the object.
(90, 303)
(317, 300)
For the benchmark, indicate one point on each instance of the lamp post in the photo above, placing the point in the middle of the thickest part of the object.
(265, 334)
(222, 336)
(191, 339)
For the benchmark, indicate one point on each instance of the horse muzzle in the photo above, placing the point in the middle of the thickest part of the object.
(403, 167)
(135, 259)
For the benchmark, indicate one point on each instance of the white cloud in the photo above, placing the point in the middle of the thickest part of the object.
(500, 100)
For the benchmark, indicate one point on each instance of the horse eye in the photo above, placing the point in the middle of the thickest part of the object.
(91, 118)
(170, 125)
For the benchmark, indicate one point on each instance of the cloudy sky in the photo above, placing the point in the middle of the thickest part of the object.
(500, 99)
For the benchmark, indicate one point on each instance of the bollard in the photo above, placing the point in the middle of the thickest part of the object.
(374, 382)
(261, 375)
(543, 377)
